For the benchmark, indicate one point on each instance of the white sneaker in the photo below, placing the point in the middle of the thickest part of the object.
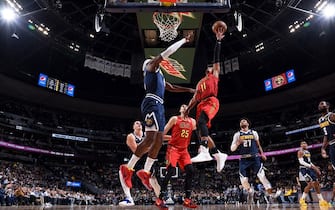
(202, 156)
(127, 202)
(220, 160)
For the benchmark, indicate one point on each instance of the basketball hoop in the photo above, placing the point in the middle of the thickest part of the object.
(167, 23)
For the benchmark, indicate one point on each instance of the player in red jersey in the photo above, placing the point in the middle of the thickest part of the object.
(208, 105)
(181, 131)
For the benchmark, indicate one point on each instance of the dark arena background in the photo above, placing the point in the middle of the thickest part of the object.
(71, 86)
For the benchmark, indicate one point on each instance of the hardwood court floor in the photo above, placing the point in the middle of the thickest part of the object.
(176, 207)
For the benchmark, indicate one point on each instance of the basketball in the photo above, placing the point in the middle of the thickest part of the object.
(219, 24)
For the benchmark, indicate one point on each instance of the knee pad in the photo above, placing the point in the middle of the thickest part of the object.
(263, 179)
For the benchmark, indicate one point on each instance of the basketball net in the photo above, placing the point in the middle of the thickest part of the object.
(167, 23)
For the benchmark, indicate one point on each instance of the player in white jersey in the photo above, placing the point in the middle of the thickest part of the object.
(133, 139)
(246, 141)
(311, 173)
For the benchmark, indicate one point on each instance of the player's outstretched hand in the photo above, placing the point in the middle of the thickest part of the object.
(219, 34)
(189, 36)
(264, 158)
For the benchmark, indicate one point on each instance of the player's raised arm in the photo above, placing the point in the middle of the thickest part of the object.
(131, 142)
(235, 143)
(172, 121)
(324, 146)
(177, 89)
(217, 52)
(259, 145)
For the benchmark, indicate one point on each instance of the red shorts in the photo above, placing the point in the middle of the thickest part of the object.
(180, 156)
(210, 106)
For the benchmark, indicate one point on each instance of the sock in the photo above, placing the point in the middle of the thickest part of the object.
(126, 189)
(148, 164)
(304, 195)
(132, 162)
(214, 150)
(204, 143)
(319, 197)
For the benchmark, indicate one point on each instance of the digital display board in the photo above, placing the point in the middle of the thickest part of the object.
(73, 184)
(280, 80)
(290, 76)
(56, 84)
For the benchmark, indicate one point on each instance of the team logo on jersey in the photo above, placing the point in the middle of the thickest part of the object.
(149, 122)
(247, 137)
(307, 155)
(324, 124)
(173, 67)
(149, 119)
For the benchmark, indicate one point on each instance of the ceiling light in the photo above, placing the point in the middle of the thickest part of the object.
(321, 6)
(8, 14)
(259, 47)
(328, 11)
(74, 47)
(14, 5)
(317, 4)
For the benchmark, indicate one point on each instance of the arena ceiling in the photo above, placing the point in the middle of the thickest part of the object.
(308, 49)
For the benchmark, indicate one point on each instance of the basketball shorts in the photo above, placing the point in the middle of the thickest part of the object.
(210, 106)
(246, 164)
(180, 156)
(153, 114)
(309, 174)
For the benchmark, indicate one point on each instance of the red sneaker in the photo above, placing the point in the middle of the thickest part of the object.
(144, 176)
(161, 204)
(189, 203)
(126, 173)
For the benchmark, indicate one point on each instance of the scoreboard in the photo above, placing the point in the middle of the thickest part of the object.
(279, 80)
(56, 84)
